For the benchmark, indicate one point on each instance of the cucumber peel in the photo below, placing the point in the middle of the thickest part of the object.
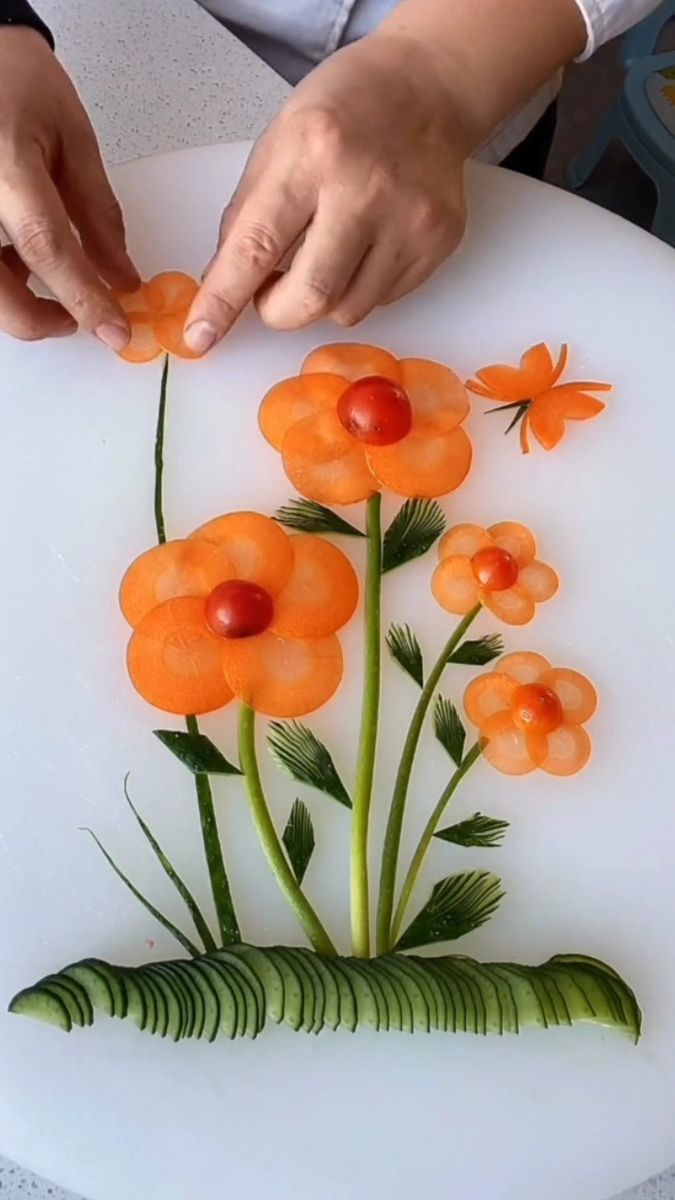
(236, 992)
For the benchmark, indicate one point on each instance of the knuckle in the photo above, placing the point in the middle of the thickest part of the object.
(346, 316)
(38, 240)
(258, 247)
(315, 298)
(429, 219)
(324, 134)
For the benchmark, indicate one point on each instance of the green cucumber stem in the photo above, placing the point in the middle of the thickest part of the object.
(159, 455)
(213, 852)
(365, 768)
(269, 839)
(392, 837)
(425, 840)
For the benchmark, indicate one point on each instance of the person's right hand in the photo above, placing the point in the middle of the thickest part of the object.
(51, 180)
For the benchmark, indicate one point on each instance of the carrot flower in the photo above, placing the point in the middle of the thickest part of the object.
(530, 714)
(542, 404)
(495, 567)
(239, 608)
(357, 421)
(157, 313)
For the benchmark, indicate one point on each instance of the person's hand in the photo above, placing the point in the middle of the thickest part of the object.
(364, 169)
(51, 179)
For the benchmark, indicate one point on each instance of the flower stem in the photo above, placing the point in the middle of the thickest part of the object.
(159, 454)
(220, 885)
(365, 770)
(392, 839)
(425, 840)
(269, 839)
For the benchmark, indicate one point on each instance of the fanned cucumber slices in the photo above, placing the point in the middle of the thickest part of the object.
(235, 992)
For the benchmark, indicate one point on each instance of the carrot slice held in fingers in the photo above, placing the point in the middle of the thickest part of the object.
(320, 595)
(143, 345)
(169, 329)
(438, 397)
(179, 568)
(352, 360)
(260, 550)
(283, 677)
(294, 399)
(134, 302)
(175, 661)
(454, 585)
(424, 466)
(326, 463)
(487, 695)
(171, 292)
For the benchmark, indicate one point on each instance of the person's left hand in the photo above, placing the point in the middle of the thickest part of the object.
(363, 170)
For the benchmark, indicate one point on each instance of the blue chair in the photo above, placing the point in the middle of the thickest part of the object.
(642, 119)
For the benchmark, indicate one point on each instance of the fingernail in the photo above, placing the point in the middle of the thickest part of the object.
(200, 336)
(114, 336)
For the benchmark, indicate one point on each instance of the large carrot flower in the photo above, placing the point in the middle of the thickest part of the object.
(357, 420)
(541, 403)
(157, 313)
(496, 567)
(239, 608)
(530, 714)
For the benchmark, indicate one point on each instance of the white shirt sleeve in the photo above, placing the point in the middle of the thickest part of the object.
(606, 19)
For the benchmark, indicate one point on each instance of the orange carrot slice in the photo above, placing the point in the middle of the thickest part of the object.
(438, 396)
(143, 346)
(326, 463)
(560, 365)
(539, 580)
(283, 677)
(576, 694)
(489, 694)
(454, 585)
(179, 568)
(464, 539)
(516, 539)
(546, 423)
(568, 750)
(507, 748)
(424, 466)
(513, 606)
(171, 292)
(134, 302)
(174, 659)
(320, 595)
(524, 666)
(574, 404)
(510, 384)
(169, 333)
(294, 399)
(259, 548)
(352, 360)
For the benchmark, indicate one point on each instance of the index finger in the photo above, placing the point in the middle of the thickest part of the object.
(35, 219)
(266, 226)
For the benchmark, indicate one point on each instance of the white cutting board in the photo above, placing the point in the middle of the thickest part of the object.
(588, 863)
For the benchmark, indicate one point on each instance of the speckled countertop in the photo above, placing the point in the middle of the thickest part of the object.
(160, 75)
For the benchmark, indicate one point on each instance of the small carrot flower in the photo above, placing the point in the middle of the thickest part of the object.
(495, 567)
(357, 421)
(157, 313)
(542, 404)
(530, 714)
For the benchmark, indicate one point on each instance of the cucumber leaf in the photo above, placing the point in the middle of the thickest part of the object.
(449, 729)
(413, 531)
(299, 753)
(480, 652)
(484, 832)
(310, 517)
(298, 838)
(457, 905)
(197, 752)
(406, 651)
(468, 996)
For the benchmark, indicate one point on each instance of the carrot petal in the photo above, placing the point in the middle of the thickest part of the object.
(175, 661)
(294, 399)
(178, 568)
(507, 748)
(169, 328)
(143, 345)
(489, 694)
(546, 423)
(438, 396)
(321, 594)
(516, 539)
(513, 605)
(539, 580)
(326, 463)
(454, 585)
(352, 360)
(171, 292)
(523, 666)
(464, 539)
(260, 550)
(577, 695)
(567, 750)
(425, 466)
(283, 677)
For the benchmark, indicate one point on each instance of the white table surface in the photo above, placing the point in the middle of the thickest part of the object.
(161, 76)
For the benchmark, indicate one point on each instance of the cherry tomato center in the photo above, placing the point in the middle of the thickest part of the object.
(536, 709)
(494, 568)
(376, 411)
(238, 609)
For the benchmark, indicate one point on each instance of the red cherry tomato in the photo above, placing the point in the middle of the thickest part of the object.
(494, 568)
(536, 709)
(376, 411)
(237, 609)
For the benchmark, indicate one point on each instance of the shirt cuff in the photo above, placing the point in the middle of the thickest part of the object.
(595, 19)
